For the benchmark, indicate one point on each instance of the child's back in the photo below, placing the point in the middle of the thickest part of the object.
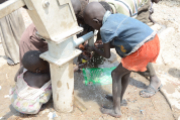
(127, 34)
(37, 70)
(33, 86)
(35, 80)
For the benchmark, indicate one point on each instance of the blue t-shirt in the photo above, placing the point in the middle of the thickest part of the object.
(126, 34)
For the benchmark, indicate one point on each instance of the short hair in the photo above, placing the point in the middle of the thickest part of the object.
(84, 3)
(31, 59)
(76, 5)
(106, 6)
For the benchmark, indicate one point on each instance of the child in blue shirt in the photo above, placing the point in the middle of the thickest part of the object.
(134, 41)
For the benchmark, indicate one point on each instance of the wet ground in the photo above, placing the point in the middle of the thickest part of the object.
(92, 96)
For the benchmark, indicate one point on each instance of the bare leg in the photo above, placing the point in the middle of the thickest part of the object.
(118, 75)
(110, 98)
(155, 83)
(150, 72)
(145, 74)
(125, 81)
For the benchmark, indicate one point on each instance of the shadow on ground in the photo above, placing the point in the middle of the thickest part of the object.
(92, 96)
(174, 72)
(97, 93)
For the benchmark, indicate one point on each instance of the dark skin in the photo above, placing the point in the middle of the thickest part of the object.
(37, 74)
(120, 75)
(150, 73)
(77, 9)
(39, 67)
(35, 80)
(120, 78)
(76, 6)
(99, 37)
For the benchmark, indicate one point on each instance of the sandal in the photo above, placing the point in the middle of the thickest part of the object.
(149, 92)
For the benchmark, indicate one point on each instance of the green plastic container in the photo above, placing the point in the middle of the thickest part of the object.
(100, 76)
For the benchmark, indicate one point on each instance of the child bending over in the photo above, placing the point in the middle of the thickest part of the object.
(133, 40)
(138, 9)
(33, 86)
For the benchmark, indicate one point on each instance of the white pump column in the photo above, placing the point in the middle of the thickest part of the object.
(56, 23)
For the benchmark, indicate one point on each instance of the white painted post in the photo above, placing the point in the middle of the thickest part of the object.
(56, 23)
(62, 73)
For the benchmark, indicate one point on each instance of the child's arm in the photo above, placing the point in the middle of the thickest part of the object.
(99, 44)
(106, 53)
(107, 36)
(98, 36)
(18, 72)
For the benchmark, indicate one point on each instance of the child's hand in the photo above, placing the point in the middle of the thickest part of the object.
(90, 48)
(98, 44)
(86, 55)
(81, 46)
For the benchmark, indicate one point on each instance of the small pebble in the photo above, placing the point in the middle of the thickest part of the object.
(142, 111)
(52, 115)
(130, 118)
(0, 87)
(6, 96)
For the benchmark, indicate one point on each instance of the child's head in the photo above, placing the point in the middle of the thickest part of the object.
(33, 63)
(79, 6)
(93, 15)
(76, 6)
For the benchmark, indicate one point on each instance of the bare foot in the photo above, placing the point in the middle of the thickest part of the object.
(110, 98)
(152, 89)
(110, 112)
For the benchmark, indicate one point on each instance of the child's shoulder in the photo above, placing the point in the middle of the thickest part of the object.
(117, 18)
(112, 22)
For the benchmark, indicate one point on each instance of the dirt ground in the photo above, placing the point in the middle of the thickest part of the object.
(92, 96)
(167, 16)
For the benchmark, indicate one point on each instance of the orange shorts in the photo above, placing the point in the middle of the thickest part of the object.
(147, 53)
